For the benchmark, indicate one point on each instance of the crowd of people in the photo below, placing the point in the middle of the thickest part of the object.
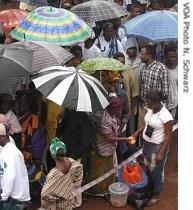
(42, 139)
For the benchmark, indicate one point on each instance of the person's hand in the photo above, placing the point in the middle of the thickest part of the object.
(99, 44)
(59, 117)
(135, 135)
(131, 140)
(159, 157)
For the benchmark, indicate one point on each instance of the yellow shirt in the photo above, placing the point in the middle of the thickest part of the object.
(131, 82)
(51, 124)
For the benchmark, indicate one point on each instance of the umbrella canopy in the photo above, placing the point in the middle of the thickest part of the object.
(93, 11)
(54, 25)
(155, 26)
(1, 28)
(22, 57)
(102, 63)
(12, 18)
(14, 65)
(72, 89)
(45, 54)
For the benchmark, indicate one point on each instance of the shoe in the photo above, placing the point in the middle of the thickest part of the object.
(155, 199)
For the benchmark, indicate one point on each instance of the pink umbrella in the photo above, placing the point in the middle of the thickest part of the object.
(12, 18)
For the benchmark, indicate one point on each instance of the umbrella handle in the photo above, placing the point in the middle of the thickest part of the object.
(60, 5)
(99, 44)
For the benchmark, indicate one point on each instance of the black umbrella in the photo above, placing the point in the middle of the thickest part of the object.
(98, 10)
(15, 64)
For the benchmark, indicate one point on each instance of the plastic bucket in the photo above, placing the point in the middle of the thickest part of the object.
(118, 194)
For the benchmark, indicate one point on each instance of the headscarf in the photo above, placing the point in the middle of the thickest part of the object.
(56, 145)
(113, 75)
(131, 42)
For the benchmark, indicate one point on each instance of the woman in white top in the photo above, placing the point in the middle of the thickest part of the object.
(156, 132)
(108, 43)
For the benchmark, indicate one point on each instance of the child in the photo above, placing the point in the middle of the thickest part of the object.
(62, 180)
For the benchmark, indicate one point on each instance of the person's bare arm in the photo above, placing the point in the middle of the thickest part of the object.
(110, 137)
(139, 131)
(167, 140)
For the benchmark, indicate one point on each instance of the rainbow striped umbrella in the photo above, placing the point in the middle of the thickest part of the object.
(54, 25)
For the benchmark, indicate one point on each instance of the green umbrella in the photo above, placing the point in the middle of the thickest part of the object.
(102, 63)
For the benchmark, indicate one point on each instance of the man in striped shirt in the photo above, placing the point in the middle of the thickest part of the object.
(154, 75)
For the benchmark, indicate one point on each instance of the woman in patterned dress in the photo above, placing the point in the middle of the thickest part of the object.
(62, 181)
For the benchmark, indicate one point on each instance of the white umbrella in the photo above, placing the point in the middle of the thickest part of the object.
(71, 88)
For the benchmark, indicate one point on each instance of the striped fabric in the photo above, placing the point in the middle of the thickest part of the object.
(99, 10)
(45, 54)
(57, 192)
(53, 25)
(108, 126)
(71, 88)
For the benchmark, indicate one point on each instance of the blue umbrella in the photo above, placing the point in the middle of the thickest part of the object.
(156, 26)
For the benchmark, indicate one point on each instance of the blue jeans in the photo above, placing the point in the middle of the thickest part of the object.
(157, 170)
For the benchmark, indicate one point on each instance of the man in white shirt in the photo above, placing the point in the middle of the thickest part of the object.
(172, 68)
(90, 50)
(13, 175)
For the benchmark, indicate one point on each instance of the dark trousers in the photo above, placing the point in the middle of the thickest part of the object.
(12, 204)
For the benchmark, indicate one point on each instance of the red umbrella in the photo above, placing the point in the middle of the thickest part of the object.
(12, 18)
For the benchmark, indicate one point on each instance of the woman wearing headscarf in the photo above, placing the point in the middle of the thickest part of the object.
(62, 180)
(103, 154)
